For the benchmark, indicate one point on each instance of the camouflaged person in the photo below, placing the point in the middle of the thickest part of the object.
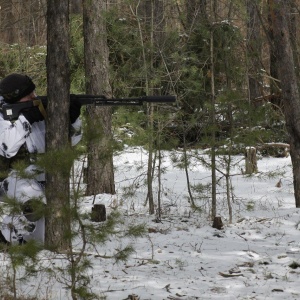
(20, 140)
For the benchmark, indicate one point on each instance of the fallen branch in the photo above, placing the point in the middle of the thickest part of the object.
(229, 275)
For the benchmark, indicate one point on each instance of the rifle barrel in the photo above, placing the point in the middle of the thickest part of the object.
(101, 100)
(134, 101)
(12, 111)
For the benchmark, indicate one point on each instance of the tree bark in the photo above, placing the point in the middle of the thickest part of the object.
(8, 31)
(274, 85)
(100, 174)
(75, 6)
(213, 122)
(57, 135)
(289, 83)
(254, 47)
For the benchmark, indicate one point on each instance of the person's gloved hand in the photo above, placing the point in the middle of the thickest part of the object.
(33, 114)
(75, 107)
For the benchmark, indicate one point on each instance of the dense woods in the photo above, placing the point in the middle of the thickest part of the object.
(233, 66)
(224, 61)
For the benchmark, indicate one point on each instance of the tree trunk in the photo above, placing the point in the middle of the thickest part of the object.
(213, 133)
(274, 85)
(289, 83)
(254, 46)
(57, 188)
(8, 31)
(100, 174)
(75, 6)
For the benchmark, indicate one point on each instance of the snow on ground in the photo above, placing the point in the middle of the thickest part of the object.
(182, 256)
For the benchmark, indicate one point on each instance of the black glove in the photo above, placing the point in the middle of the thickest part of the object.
(75, 107)
(33, 114)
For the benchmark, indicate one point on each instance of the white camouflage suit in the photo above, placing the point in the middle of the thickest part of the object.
(14, 135)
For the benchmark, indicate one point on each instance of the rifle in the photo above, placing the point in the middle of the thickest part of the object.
(11, 111)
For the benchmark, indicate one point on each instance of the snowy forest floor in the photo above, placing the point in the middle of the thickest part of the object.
(257, 256)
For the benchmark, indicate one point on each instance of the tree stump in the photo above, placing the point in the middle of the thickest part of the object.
(251, 160)
(98, 213)
(218, 224)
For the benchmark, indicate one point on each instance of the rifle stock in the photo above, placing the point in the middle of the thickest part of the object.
(11, 111)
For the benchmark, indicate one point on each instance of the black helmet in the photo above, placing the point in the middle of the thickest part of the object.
(16, 86)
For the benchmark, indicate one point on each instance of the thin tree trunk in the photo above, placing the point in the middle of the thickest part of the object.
(186, 165)
(274, 85)
(150, 198)
(229, 187)
(159, 206)
(150, 169)
(213, 134)
(8, 31)
(254, 47)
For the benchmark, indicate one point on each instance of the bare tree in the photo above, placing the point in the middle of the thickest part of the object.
(31, 22)
(57, 189)
(100, 174)
(213, 134)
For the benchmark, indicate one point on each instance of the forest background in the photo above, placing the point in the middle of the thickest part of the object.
(225, 61)
(166, 47)
(219, 58)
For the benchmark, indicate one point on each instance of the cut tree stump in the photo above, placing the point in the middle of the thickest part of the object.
(251, 160)
(218, 224)
(98, 213)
